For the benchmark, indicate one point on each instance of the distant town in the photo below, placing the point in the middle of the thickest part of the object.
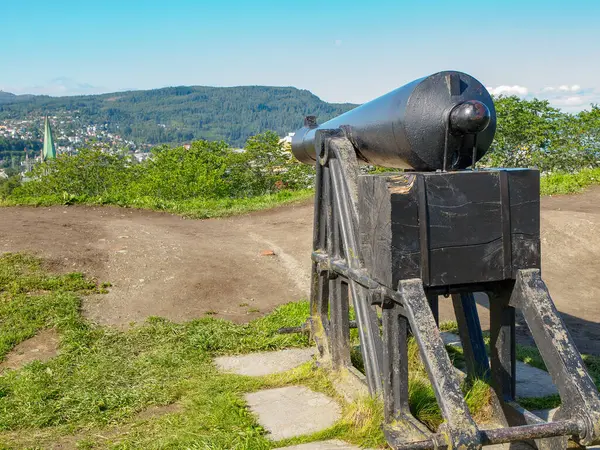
(69, 133)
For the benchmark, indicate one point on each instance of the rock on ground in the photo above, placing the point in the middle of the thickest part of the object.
(259, 364)
(531, 381)
(293, 411)
(333, 444)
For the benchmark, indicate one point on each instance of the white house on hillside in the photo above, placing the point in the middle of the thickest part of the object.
(287, 139)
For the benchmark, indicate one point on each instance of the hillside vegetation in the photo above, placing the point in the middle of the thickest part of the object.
(185, 113)
(207, 180)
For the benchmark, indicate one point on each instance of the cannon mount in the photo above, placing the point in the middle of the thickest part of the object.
(394, 243)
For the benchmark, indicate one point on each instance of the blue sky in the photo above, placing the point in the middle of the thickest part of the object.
(340, 50)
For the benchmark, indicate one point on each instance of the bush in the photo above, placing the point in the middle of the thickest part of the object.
(203, 171)
(531, 133)
(8, 185)
(90, 173)
(171, 177)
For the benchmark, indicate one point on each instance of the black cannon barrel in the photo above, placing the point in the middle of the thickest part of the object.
(411, 126)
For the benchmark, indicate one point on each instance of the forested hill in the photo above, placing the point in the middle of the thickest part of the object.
(182, 114)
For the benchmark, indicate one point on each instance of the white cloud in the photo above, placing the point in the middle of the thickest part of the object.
(576, 100)
(508, 90)
(568, 97)
(56, 87)
(563, 88)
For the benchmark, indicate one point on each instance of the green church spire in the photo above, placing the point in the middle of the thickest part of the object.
(49, 151)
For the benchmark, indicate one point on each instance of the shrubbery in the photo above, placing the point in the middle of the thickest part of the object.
(531, 133)
(205, 171)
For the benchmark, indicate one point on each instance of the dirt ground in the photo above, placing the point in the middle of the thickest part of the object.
(164, 265)
(42, 347)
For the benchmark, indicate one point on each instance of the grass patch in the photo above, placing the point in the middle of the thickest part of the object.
(450, 326)
(422, 400)
(103, 377)
(31, 300)
(568, 183)
(194, 208)
(91, 394)
(548, 402)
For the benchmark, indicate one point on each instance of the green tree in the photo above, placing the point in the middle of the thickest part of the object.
(180, 174)
(524, 128)
(90, 173)
(531, 133)
(273, 163)
(8, 185)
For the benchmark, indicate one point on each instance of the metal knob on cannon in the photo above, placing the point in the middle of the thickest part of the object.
(397, 241)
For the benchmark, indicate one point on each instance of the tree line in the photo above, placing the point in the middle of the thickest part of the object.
(182, 114)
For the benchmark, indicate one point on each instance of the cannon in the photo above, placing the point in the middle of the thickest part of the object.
(428, 124)
(390, 244)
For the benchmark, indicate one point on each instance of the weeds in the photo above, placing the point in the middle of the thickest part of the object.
(193, 208)
(568, 183)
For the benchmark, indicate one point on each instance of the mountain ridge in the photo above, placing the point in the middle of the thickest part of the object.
(182, 113)
(8, 96)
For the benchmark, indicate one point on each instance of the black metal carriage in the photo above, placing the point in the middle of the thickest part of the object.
(397, 241)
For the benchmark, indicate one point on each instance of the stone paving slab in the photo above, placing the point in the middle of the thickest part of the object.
(545, 414)
(451, 339)
(531, 381)
(333, 444)
(259, 364)
(293, 411)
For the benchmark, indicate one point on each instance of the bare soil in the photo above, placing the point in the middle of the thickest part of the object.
(42, 347)
(164, 265)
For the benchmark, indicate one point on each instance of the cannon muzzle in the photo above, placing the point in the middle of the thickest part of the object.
(444, 120)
